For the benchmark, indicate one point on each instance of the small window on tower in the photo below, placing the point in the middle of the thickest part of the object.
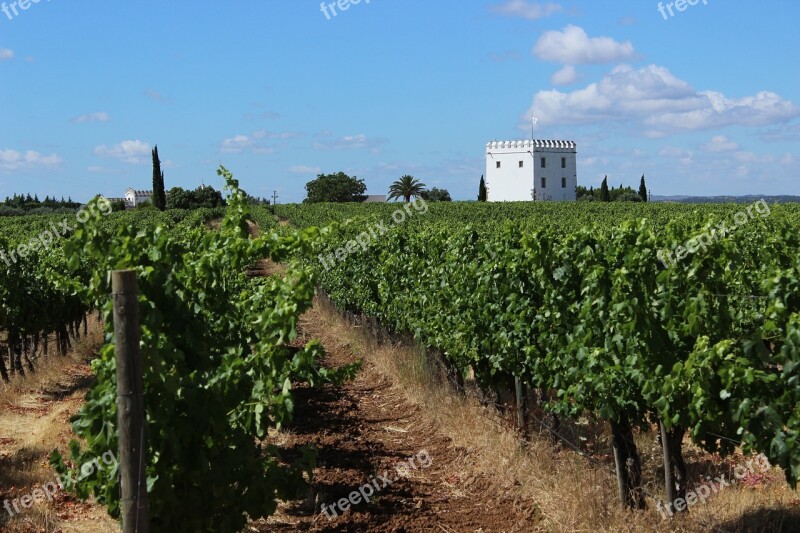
(563, 183)
(544, 183)
(563, 162)
(498, 164)
(544, 162)
(521, 164)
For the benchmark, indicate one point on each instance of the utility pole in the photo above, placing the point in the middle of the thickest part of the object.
(274, 197)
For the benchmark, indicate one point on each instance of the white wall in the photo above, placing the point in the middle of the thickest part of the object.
(509, 183)
(512, 183)
(135, 199)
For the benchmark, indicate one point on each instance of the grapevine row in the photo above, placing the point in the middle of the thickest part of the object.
(575, 302)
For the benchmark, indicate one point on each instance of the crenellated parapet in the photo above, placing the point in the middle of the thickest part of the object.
(538, 144)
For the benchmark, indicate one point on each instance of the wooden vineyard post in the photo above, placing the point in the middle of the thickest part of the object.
(130, 402)
(669, 483)
(522, 406)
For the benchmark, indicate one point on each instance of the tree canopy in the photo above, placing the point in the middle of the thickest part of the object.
(436, 195)
(405, 188)
(621, 194)
(28, 202)
(203, 196)
(337, 188)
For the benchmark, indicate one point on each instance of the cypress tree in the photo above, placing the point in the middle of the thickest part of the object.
(482, 196)
(159, 196)
(643, 190)
(605, 196)
(162, 195)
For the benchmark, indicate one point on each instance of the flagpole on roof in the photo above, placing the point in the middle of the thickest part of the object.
(534, 120)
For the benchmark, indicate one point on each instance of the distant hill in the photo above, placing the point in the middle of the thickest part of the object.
(747, 199)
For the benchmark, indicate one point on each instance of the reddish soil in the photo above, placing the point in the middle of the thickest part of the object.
(366, 428)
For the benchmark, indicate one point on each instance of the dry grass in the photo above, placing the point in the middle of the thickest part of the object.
(49, 375)
(34, 420)
(572, 493)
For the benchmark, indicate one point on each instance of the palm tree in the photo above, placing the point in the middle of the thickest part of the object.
(405, 188)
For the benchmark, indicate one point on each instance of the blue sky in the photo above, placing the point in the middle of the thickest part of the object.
(703, 102)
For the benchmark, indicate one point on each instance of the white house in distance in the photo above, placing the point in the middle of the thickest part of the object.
(133, 197)
(520, 171)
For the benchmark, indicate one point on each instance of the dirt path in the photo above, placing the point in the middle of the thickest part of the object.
(34, 420)
(364, 430)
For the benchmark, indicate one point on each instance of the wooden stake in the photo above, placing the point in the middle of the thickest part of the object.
(130, 403)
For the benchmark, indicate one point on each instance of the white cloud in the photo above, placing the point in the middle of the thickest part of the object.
(300, 169)
(680, 155)
(566, 76)
(92, 117)
(654, 100)
(236, 145)
(241, 143)
(349, 142)
(264, 134)
(6, 54)
(681, 168)
(12, 160)
(717, 110)
(574, 47)
(525, 9)
(134, 152)
(720, 143)
(674, 151)
(788, 132)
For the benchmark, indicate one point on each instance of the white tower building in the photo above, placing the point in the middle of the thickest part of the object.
(519, 171)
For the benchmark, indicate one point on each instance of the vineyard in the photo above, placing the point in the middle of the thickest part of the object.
(573, 304)
(38, 307)
(574, 300)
